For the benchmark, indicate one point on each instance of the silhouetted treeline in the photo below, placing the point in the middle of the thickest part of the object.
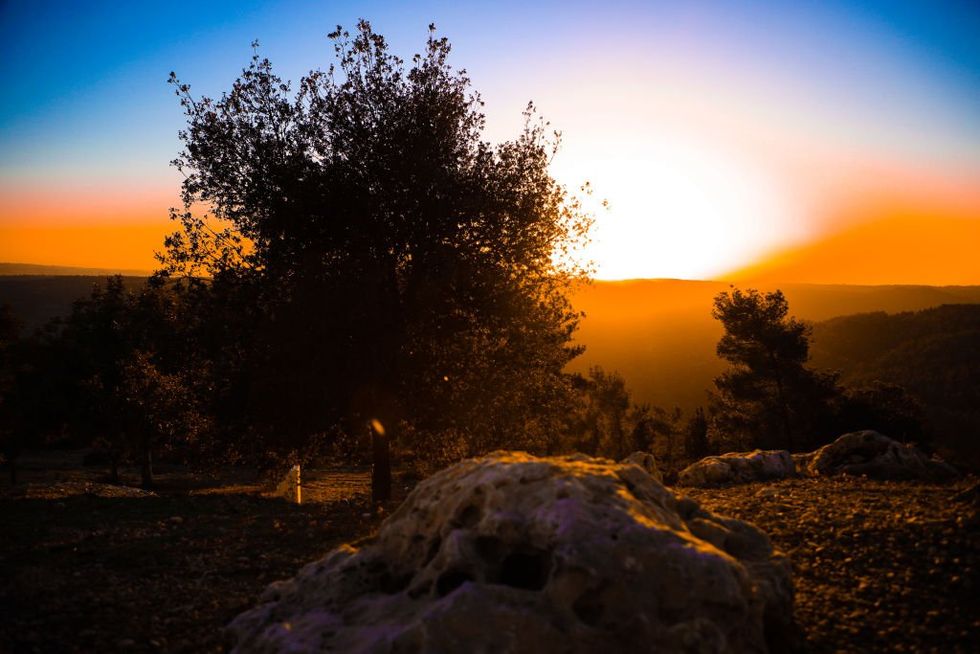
(184, 370)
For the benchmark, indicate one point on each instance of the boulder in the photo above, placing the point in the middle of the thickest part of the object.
(738, 468)
(512, 553)
(877, 456)
(646, 461)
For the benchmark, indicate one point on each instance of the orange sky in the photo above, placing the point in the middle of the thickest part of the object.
(924, 238)
(922, 234)
(84, 225)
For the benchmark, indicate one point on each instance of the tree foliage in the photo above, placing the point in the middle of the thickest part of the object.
(696, 444)
(375, 259)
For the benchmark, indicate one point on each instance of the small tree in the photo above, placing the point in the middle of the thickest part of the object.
(768, 397)
(884, 407)
(696, 444)
(126, 374)
(601, 428)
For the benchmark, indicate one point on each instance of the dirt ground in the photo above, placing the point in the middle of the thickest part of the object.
(88, 567)
(878, 566)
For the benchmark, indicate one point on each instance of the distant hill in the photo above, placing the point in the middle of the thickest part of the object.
(35, 269)
(36, 299)
(660, 336)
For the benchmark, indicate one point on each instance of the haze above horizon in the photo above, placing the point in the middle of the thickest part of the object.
(837, 143)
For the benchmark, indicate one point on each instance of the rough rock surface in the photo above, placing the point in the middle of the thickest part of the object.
(877, 456)
(646, 461)
(511, 553)
(801, 461)
(738, 468)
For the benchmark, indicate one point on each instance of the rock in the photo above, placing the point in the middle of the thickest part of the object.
(877, 456)
(512, 553)
(290, 486)
(738, 468)
(801, 461)
(646, 461)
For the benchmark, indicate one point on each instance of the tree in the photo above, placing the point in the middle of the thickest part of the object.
(127, 373)
(158, 407)
(601, 428)
(397, 269)
(696, 445)
(768, 397)
(888, 408)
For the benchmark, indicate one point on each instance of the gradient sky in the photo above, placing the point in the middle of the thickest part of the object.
(723, 137)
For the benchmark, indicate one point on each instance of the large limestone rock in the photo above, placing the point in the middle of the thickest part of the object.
(512, 553)
(647, 461)
(738, 468)
(877, 456)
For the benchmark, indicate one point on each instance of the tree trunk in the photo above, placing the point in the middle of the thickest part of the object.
(783, 406)
(113, 468)
(12, 462)
(381, 468)
(146, 464)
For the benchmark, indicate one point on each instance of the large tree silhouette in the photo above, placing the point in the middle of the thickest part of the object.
(379, 263)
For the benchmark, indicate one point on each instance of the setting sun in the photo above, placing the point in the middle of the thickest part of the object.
(678, 208)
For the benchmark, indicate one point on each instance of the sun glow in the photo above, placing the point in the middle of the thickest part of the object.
(677, 208)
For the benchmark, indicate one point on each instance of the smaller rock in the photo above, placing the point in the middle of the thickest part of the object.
(877, 456)
(738, 468)
(801, 461)
(646, 461)
(290, 486)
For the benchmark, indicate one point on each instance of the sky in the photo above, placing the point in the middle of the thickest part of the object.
(801, 142)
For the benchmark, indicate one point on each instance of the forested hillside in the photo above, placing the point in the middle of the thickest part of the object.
(934, 354)
(659, 334)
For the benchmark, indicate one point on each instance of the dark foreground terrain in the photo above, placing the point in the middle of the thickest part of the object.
(878, 566)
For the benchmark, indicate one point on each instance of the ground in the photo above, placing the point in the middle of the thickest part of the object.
(878, 566)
